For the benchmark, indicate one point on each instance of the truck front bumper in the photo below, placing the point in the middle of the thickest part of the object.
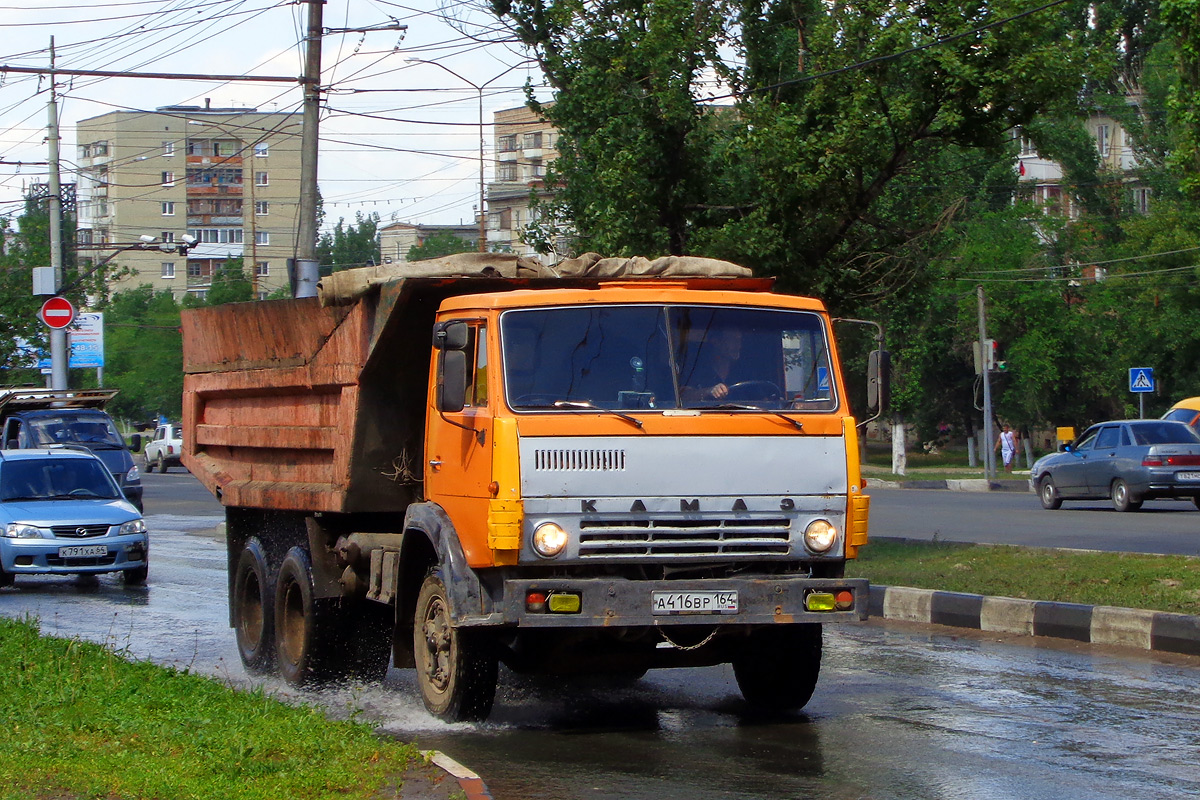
(618, 602)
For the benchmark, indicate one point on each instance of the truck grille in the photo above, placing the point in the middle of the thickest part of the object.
(619, 538)
(579, 460)
(79, 531)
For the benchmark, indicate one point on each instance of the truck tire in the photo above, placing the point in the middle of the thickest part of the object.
(777, 668)
(456, 667)
(254, 608)
(306, 645)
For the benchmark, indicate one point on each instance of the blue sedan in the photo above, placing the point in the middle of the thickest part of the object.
(61, 512)
(1127, 461)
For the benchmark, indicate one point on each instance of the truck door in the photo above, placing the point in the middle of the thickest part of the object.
(459, 453)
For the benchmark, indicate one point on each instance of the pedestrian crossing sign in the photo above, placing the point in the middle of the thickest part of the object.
(1141, 379)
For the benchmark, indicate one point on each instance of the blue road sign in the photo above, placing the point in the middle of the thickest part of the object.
(823, 380)
(1141, 379)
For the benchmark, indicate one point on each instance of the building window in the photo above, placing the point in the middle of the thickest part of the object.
(168, 179)
(536, 169)
(168, 149)
(168, 270)
(217, 235)
(507, 144)
(262, 237)
(1102, 140)
(197, 148)
(506, 172)
(1141, 200)
(168, 236)
(260, 149)
(99, 149)
(193, 269)
(532, 141)
(262, 268)
(260, 208)
(260, 179)
(85, 151)
(168, 208)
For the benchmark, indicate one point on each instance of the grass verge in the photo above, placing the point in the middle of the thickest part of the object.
(80, 721)
(1125, 580)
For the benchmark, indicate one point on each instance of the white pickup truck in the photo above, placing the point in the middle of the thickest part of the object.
(165, 448)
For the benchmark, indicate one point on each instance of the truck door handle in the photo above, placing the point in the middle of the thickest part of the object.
(435, 464)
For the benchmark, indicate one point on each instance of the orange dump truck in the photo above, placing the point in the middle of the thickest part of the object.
(609, 467)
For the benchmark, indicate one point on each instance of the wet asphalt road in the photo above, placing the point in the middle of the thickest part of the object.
(902, 711)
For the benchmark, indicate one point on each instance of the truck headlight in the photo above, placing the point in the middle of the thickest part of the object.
(819, 536)
(19, 530)
(133, 476)
(549, 539)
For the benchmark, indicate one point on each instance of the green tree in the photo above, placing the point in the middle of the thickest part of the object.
(348, 246)
(144, 354)
(440, 244)
(230, 284)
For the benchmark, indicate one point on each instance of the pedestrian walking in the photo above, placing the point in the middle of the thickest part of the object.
(1006, 445)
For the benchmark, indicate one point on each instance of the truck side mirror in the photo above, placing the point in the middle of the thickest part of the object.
(452, 381)
(451, 336)
(879, 365)
(135, 443)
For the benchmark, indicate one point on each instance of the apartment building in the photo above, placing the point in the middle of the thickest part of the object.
(524, 146)
(1041, 178)
(228, 177)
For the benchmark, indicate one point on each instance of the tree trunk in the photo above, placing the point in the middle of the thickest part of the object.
(899, 456)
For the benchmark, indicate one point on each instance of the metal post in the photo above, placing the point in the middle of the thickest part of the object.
(306, 243)
(989, 455)
(482, 221)
(59, 354)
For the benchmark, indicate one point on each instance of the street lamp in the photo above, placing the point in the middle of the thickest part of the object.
(478, 88)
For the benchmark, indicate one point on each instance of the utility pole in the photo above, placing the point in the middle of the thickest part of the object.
(989, 459)
(307, 268)
(58, 336)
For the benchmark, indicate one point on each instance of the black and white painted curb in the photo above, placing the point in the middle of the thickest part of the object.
(1147, 630)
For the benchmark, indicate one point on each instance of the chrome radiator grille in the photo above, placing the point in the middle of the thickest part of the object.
(78, 531)
(683, 537)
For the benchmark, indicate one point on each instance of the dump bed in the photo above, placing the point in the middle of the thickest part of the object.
(309, 406)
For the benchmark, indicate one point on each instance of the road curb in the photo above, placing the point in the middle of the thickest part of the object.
(1159, 631)
(471, 784)
(953, 484)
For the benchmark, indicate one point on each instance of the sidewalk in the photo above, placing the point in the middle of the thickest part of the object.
(971, 481)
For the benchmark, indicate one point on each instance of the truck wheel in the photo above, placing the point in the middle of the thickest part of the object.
(456, 668)
(254, 608)
(306, 647)
(777, 668)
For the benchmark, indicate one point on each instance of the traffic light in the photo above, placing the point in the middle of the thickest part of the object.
(986, 360)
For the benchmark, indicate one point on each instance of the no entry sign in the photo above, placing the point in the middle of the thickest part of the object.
(57, 312)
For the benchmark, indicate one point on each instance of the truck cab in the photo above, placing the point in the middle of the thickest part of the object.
(45, 418)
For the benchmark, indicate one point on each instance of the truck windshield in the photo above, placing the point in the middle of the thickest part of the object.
(643, 357)
(93, 430)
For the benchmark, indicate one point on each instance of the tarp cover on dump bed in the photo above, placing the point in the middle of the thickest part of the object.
(343, 288)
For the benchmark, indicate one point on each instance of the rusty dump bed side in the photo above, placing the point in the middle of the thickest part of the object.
(288, 405)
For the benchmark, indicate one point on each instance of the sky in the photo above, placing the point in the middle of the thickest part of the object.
(398, 137)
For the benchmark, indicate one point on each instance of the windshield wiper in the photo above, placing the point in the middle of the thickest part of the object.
(587, 404)
(22, 499)
(747, 407)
